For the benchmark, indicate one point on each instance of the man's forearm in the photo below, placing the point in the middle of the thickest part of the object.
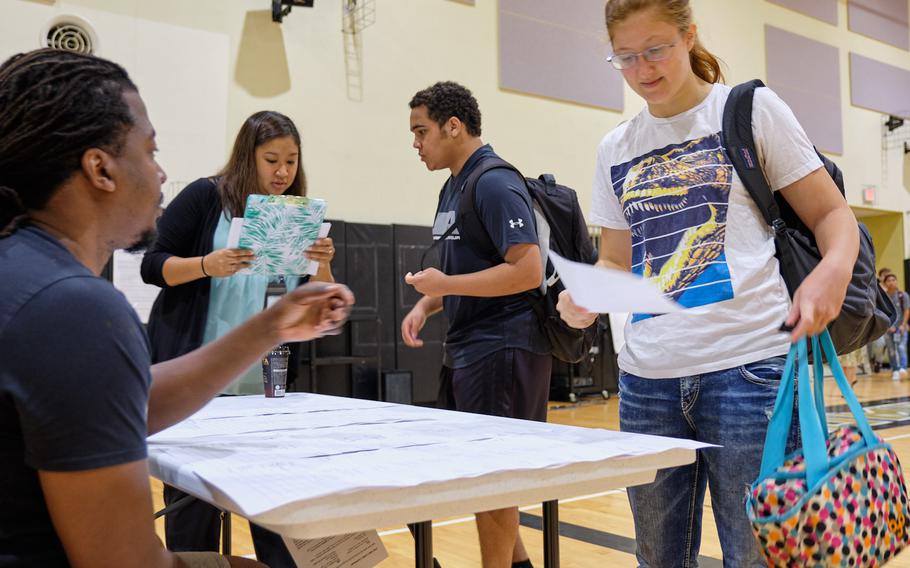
(183, 385)
(430, 305)
(500, 280)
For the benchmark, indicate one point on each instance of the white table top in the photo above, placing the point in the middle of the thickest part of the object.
(309, 466)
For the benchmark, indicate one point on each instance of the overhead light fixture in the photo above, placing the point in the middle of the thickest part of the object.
(894, 123)
(281, 8)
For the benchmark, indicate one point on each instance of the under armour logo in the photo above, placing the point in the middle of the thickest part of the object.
(519, 223)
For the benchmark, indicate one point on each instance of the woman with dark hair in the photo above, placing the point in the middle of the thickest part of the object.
(672, 210)
(202, 298)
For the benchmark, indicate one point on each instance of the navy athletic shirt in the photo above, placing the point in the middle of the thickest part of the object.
(74, 381)
(480, 326)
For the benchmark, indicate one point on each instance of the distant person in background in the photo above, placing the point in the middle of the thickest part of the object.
(202, 298)
(896, 337)
(876, 349)
(849, 362)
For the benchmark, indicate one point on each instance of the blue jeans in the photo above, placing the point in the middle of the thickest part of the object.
(730, 408)
(897, 350)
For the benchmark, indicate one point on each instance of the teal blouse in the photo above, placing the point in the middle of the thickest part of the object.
(232, 301)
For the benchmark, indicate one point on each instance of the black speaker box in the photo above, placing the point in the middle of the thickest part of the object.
(397, 386)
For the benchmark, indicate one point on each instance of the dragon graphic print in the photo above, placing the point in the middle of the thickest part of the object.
(675, 200)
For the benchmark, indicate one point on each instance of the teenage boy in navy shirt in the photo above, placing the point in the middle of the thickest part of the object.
(497, 360)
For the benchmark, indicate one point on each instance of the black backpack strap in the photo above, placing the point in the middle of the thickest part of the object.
(739, 143)
(468, 219)
(447, 232)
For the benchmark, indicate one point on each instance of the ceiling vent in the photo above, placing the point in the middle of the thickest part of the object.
(70, 33)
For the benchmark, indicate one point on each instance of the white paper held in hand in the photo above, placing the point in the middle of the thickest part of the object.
(233, 240)
(603, 290)
(234, 232)
(323, 233)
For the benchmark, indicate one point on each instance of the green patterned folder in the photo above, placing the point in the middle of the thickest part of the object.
(278, 229)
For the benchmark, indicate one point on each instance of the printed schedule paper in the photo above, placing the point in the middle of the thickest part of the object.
(356, 550)
(603, 290)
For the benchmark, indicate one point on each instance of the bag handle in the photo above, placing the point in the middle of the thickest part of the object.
(815, 451)
(781, 418)
(819, 389)
(813, 424)
(844, 386)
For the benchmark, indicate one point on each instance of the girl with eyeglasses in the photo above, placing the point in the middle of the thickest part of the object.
(673, 210)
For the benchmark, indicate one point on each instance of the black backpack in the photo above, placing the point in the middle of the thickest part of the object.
(559, 218)
(867, 312)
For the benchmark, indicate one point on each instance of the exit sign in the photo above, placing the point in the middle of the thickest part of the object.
(868, 194)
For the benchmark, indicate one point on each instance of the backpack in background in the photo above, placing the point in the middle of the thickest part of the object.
(867, 312)
(561, 227)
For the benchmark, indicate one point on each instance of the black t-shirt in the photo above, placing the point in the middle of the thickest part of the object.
(480, 326)
(74, 381)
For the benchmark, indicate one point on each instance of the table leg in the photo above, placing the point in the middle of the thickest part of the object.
(423, 544)
(551, 534)
(225, 532)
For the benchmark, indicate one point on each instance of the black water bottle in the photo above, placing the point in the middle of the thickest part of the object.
(275, 371)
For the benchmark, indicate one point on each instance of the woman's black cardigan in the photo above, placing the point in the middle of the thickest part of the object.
(185, 229)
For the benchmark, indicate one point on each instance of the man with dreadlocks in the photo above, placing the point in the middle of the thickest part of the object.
(78, 179)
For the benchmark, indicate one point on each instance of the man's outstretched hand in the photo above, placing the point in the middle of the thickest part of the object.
(310, 311)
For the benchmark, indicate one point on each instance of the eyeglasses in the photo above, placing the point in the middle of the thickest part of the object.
(623, 61)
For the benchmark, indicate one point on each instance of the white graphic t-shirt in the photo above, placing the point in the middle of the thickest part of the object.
(697, 234)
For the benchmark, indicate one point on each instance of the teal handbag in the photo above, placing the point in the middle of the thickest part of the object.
(840, 500)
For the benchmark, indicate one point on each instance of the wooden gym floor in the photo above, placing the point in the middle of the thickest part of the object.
(597, 530)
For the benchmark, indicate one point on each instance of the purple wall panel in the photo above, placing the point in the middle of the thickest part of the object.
(878, 86)
(884, 20)
(824, 10)
(806, 74)
(586, 16)
(557, 50)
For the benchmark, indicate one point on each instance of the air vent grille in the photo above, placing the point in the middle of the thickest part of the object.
(70, 33)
